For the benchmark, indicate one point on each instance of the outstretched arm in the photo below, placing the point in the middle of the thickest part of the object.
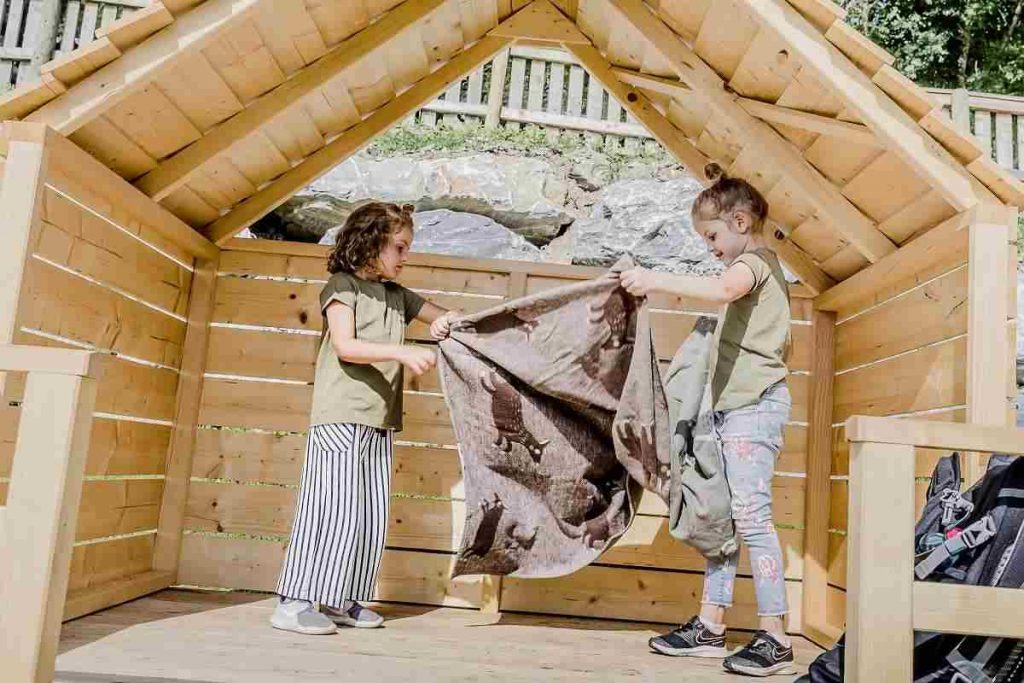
(733, 284)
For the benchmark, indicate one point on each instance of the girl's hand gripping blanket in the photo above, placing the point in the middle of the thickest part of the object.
(561, 418)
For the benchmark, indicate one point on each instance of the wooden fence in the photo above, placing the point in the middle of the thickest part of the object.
(22, 23)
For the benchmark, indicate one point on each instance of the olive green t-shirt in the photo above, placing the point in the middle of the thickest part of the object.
(752, 336)
(371, 394)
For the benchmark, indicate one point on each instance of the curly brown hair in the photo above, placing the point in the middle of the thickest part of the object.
(365, 234)
(726, 195)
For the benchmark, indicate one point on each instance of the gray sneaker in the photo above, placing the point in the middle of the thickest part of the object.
(301, 617)
(354, 615)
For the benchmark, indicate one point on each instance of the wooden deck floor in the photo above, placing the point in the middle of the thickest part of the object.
(192, 636)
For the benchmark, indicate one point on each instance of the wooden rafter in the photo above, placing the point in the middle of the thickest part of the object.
(673, 139)
(144, 63)
(884, 117)
(176, 171)
(766, 111)
(825, 197)
(354, 139)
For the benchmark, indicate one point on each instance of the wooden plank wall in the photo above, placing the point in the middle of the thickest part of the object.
(251, 442)
(101, 277)
(900, 351)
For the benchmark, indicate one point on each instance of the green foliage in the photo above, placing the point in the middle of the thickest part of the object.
(975, 44)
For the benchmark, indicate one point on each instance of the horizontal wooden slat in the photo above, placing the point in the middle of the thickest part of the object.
(62, 304)
(934, 312)
(99, 563)
(937, 435)
(112, 508)
(640, 594)
(95, 598)
(296, 305)
(88, 244)
(970, 610)
(279, 355)
(250, 564)
(315, 268)
(285, 407)
(925, 458)
(116, 447)
(932, 377)
(123, 387)
(271, 458)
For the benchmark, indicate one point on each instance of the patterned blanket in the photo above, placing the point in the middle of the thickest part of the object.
(561, 417)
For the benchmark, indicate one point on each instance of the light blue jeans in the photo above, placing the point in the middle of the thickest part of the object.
(750, 439)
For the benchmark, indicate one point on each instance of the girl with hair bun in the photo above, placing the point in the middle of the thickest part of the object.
(337, 539)
(751, 405)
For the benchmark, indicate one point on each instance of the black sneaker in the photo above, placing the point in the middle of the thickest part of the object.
(692, 639)
(763, 656)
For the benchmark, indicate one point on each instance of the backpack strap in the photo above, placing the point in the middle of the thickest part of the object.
(973, 536)
(955, 508)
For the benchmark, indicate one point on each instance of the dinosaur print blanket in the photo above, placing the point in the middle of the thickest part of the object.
(561, 418)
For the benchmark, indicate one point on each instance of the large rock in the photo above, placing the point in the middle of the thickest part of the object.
(527, 195)
(649, 219)
(464, 234)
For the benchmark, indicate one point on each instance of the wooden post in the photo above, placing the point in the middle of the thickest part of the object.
(987, 338)
(186, 418)
(38, 527)
(819, 470)
(496, 95)
(46, 39)
(21, 204)
(879, 607)
(960, 110)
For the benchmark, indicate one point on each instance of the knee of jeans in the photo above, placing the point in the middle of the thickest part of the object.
(751, 529)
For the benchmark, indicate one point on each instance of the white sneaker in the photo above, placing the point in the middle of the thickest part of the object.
(354, 615)
(301, 617)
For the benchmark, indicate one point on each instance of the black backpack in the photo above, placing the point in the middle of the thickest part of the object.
(973, 538)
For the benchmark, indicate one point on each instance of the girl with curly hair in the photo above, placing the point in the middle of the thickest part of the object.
(337, 538)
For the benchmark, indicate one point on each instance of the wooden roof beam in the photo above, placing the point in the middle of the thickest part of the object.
(175, 171)
(100, 91)
(351, 141)
(825, 197)
(893, 126)
(766, 111)
(640, 107)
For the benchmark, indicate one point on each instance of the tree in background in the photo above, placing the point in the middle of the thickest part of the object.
(974, 44)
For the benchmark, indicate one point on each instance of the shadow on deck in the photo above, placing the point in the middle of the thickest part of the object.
(198, 637)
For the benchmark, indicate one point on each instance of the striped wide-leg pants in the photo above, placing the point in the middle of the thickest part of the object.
(341, 517)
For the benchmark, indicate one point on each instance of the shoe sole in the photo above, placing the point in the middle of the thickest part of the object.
(702, 652)
(352, 623)
(780, 669)
(304, 630)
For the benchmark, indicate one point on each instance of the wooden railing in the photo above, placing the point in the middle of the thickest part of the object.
(37, 527)
(884, 603)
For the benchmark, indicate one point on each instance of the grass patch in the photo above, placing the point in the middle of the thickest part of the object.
(610, 161)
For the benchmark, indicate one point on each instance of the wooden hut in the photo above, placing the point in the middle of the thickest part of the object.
(168, 363)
